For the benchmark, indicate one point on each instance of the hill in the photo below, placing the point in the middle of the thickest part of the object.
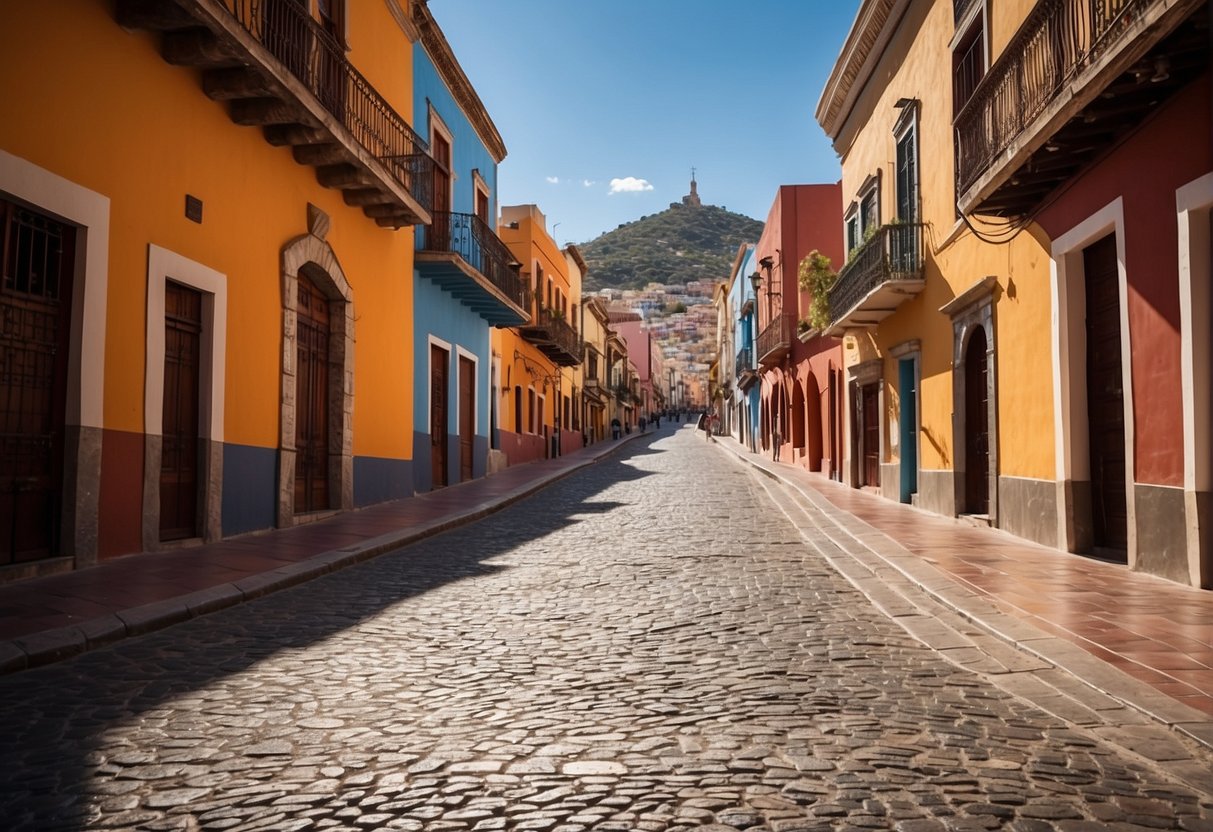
(683, 243)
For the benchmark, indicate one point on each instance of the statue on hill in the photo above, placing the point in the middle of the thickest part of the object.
(692, 199)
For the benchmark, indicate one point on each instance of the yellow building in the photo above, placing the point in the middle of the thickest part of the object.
(205, 222)
(949, 390)
(596, 389)
(535, 395)
(1024, 302)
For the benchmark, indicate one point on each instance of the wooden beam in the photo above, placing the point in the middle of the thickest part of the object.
(235, 82)
(323, 153)
(152, 14)
(382, 210)
(342, 176)
(365, 196)
(256, 112)
(196, 47)
(289, 135)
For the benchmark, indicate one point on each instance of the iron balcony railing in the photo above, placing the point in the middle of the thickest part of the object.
(894, 253)
(558, 332)
(315, 57)
(472, 239)
(775, 337)
(1058, 40)
(744, 362)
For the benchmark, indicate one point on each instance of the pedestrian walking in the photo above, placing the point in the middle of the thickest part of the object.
(642, 423)
(615, 428)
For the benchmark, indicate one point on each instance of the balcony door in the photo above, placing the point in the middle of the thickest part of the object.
(440, 149)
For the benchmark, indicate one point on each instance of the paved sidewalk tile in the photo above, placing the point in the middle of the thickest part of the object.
(1156, 631)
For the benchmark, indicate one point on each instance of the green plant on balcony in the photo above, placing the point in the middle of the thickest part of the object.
(817, 277)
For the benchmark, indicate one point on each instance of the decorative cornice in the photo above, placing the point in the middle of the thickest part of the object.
(402, 19)
(461, 88)
(870, 33)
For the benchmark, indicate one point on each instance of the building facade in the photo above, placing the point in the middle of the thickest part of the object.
(533, 354)
(800, 369)
(1025, 305)
(190, 339)
(465, 280)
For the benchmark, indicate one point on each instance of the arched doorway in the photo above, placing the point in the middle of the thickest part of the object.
(797, 420)
(814, 440)
(316, 469)
(977, 425)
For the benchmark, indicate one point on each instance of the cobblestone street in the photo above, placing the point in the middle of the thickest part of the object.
(647, 645)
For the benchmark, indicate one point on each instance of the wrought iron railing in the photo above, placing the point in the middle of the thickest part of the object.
(315, 57)
(744, 362)
(472, 239)
(777, 335)
(1058, 40)
(557, 331)
(894, 253)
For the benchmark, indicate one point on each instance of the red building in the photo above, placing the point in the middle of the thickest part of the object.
(800, 369)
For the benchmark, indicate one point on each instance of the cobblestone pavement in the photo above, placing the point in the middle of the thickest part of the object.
(648, 645)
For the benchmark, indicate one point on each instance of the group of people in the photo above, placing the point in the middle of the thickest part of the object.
(618, 428)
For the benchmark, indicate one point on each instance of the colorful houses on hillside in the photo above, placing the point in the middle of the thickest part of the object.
(254, 276)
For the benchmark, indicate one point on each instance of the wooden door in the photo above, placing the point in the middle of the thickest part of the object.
(977, 426)
(179, 457)
(439, 390)
(870, 431)
(467, 417)
(37, 258)
(1105, 399)
(312, 399)
(440, 227)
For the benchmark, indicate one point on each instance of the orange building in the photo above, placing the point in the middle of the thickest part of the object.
(206, 204)
(536, 402)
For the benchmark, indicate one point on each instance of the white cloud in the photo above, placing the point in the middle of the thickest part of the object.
(630, 184)
(589, 183)
(553, 180)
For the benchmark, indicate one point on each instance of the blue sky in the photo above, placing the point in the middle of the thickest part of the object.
(589, 91)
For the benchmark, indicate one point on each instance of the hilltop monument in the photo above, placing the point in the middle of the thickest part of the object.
(692, 198)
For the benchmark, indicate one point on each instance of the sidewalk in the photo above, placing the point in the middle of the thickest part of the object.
(43, 620)
(1039, 599)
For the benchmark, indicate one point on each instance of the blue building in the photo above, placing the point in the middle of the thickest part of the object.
(465, 280)
(746, 398)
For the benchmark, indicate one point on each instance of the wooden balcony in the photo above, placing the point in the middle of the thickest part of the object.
(557, 340)
(463, 255)
(278, 69)
(594, 390)
(775, 341)
(884, 273)
(1077, 76)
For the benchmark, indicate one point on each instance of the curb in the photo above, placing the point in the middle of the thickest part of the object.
(50, 646)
